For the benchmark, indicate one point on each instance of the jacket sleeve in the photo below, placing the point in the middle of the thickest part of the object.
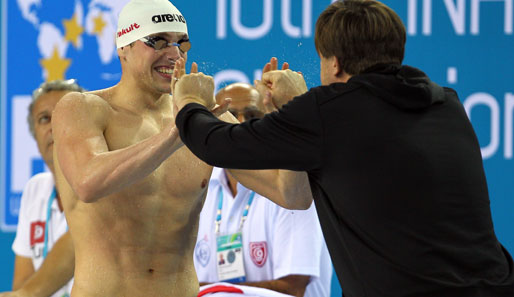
(290, 138)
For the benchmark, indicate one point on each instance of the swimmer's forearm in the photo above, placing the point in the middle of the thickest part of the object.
(295, 189)
(109, 172)
(289, 189)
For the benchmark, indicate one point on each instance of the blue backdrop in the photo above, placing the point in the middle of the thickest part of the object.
(463, 44)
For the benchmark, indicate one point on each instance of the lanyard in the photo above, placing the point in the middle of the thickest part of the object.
(47, 224)
(220, 205)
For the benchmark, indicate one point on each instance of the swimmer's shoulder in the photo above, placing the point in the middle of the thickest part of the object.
(86, 100)
(76, 104)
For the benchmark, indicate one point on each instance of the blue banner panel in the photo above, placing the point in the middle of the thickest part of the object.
(464, 44)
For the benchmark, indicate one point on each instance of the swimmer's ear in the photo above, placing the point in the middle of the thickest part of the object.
(122, 52)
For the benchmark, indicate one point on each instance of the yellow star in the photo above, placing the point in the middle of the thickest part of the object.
(55, 66)
(73, 30)
(99, 25)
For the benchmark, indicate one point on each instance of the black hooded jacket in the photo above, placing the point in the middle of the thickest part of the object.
(397, 178)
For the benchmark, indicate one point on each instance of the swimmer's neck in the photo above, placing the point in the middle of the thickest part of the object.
(132, 96)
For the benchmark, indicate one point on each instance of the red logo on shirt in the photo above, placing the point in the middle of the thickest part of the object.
(259, 253)
(37, 232)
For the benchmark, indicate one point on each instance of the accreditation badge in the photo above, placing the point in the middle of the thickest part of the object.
(229, 258)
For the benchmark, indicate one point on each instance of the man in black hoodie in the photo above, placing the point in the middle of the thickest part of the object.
(393, 162)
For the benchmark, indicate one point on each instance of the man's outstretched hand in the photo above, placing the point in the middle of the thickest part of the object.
(278, 87)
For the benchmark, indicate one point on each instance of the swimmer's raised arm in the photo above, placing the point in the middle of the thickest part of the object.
(92, 170)
(287, 188)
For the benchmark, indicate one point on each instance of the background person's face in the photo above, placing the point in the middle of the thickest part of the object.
(42, 118)
(245, 109)
(246, 103)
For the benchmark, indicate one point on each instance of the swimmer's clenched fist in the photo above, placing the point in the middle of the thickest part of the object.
(193, 88)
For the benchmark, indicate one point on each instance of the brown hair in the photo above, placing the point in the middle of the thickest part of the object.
(360, 34)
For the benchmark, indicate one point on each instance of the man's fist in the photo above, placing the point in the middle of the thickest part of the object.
(284, 85)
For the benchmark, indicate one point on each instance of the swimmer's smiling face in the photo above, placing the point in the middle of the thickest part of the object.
(152, 67)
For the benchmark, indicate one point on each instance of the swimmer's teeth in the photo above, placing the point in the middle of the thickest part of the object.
(165, 70)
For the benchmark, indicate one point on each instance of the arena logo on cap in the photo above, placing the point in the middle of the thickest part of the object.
(159, 18)
(134, 26)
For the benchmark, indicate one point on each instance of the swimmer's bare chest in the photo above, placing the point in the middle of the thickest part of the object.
(151, 224)
(181, 177)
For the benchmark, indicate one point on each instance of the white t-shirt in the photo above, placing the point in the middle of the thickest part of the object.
(276, 242)
(30, 233)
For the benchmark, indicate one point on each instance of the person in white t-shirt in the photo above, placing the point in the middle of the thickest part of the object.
(41, 219)
(261, 243)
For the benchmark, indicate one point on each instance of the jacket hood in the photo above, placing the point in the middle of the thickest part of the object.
(402, 86)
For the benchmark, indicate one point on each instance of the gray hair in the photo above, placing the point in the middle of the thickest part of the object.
(46, 87)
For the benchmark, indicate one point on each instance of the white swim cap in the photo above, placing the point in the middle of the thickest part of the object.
(140, 18)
